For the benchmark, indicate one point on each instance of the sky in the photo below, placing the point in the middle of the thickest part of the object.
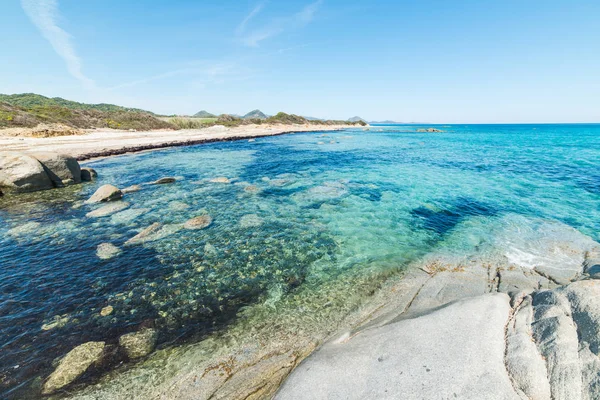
(463, 61)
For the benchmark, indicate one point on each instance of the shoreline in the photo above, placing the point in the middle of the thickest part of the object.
(105, 143)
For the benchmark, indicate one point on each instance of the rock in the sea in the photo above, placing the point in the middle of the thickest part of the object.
(88, 174)
(108, 209)
(105, 193)
(61, 168)
(430, 130)
(73, 365)
(250, 221)
(251, 189)
(144, 234)
(57, 322)
(131, 189)
(200, 222)
(106, 251)
(139, 344)
(106, 311)
(220, 179)
(165, 180)
(22, 173)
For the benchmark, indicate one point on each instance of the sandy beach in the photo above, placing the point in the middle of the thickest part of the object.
(107, 142)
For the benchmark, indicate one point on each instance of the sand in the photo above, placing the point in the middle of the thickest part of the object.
(107, 142)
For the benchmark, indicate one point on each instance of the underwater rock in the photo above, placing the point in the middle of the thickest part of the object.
(132, 189)
(431, 130)
(105, 193)
(165, 180)
(106, 251)
(144, 234)
(57, 322)
(220, 179)
(88, 174)
(251, 189)
(106, 311)
(250, 221)
(23, 229)
(200, 222)
(73, 365)
(22, 173)
(139, 344)
(62, 169)
(128, 215)
(178, 206)
(108, 209)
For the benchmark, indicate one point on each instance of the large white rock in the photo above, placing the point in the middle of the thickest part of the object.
(453, 352)
(22, 173)
(105, 193)
(61, 168)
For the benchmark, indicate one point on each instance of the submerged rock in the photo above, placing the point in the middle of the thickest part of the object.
(200, 222)
(144, 234)
(57, 322)
(22, 173)
(73, 365)
(108, 209)
(105, 193)
(132, 189)
(106, 311)
(220, 179)
(88, 174)
(62, 169)
(250, 221)
(139, 344)
(165, 180)
(106, 251)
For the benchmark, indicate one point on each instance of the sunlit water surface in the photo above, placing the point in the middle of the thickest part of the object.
(308, 227)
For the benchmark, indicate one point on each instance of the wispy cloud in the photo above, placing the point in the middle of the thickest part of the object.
(44, 15)
(242, 26)
(253, 37)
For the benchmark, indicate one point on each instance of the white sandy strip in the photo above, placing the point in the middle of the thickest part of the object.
(108, 142)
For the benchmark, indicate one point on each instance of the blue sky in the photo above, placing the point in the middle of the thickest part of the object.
(434, 61)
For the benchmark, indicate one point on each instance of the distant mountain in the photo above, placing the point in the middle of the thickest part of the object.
(204, 114)
(255, 114)
(313, 118)
(356, 119)
(388, 122)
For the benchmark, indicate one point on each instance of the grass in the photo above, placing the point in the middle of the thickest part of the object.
(190, 122)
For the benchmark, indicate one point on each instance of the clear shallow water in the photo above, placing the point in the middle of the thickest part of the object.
(302, 226)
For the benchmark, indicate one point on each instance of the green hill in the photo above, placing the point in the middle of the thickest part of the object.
(255, 114)
(29, 110)
(204, 114)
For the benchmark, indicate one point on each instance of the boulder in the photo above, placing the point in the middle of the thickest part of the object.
(106, 251)
(61, 168)
(88, 174)
(220, 179)
(108, 209)
(105, 193)
(144, 234)
(432, 356)
(165, 180)
(139, 344)
(73, 365)
(22, 173)
(200, 222)
(132, 189)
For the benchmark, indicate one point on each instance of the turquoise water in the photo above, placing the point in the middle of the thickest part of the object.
(303, 214)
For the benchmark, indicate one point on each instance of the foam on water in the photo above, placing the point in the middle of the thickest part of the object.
(301, 234)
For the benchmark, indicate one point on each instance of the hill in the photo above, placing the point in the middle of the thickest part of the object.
(356, 119)
(30, 100)
(30, 110)
(204, 114)
(255, 114)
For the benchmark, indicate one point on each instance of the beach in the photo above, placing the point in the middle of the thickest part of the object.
(107, 142)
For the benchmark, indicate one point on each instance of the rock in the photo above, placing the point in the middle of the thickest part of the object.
(139, 344)
(250, 221)
(221, 179)
(144, 234)
(106, 311)
(200, 222)
(128, 216)
(108, 209)
(457, 349)
(131, 189)
(57, 322)
(251, 140)
(62, 169)
(178, 206)
(429, 130)
(22, 173)
(251, 189)
(73, 365)
(163, 181)
(88, 174)
(106, 251)
(591, 265)
(105, 193)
